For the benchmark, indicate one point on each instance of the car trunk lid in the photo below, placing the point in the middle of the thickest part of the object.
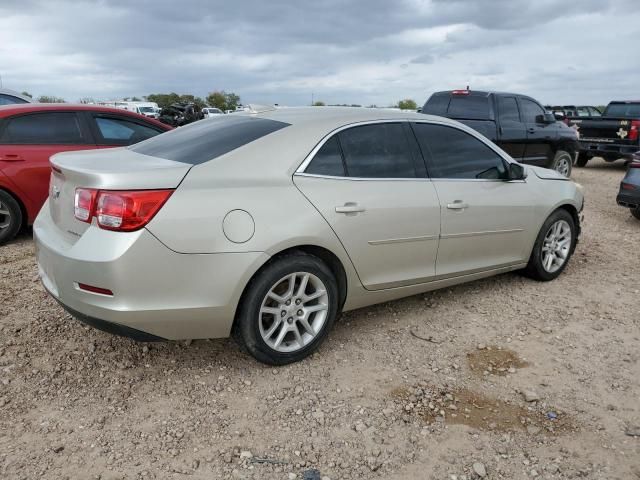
(115, 169)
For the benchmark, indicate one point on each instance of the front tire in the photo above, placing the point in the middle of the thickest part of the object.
(582, 160)
(562, 163)
(636, 212)
(553, 247)
(10, 217)
(288, 309)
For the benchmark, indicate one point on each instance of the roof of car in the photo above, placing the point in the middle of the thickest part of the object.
(7, 110)
(13, 93)
(338, 116)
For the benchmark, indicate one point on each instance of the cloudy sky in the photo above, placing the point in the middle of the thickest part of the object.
(360, 51)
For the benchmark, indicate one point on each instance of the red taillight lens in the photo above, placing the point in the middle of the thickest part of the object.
(121, 210)
(634, 165)
(126, 211)
(92, 289)
(83, 204)
(633, 131)
(460, 92)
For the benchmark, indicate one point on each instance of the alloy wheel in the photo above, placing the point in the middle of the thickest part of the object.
(293, 312)
(5, 216)
(563, 166)
(556, 246)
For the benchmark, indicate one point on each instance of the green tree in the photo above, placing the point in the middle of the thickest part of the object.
(27, 94)
(407, 104)
(319, 103)
(163, 99)
(50, 99)
(223, 100)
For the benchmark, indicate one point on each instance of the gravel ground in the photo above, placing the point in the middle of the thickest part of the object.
(501, 378)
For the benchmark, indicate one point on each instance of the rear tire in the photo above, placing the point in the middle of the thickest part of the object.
(553, 248)
(10, 217)
(582, 160)
(636, 212)
(562, 163)
(288, 309)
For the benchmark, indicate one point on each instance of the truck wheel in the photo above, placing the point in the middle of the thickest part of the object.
(562, 163)
(636, 212)
(582, 160)
(10, 217)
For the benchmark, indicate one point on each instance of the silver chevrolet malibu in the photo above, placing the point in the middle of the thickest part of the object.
(266, 224)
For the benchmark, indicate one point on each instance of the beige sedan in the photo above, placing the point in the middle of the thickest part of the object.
(266, 224)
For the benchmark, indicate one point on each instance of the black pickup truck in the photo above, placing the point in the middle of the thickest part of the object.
(517, 123)
(611, 136)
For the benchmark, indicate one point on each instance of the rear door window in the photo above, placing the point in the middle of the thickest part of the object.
(377, 151)
(46, 128)
(508, 109)
(10, 99)
(328, 160)
(120, 131)
(200, 142)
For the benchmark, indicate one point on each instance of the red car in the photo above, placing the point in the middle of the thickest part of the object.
(30, 133)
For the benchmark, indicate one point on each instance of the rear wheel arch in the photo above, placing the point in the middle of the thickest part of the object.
(326, 256)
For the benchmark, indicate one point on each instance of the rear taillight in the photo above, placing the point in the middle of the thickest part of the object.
(633, 130)
(460, 92)
(634, 165)
(122, 210)
(83, 204)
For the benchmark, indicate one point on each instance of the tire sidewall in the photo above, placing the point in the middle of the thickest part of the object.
(636, 212)
(15, 217)
(535, 267)
(248, 327)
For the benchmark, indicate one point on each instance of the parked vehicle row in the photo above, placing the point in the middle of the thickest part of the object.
(613, 135)
(565, 112)
(265, 224)
(517, 123)
(30, 133)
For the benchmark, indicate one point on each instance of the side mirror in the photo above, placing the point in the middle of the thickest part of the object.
(546, 118)
(516, 172)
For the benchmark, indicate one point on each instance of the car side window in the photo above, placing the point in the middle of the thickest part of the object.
(454, 154)
(508, 109)
(379, 150)
(328, 160)
(47, 128)
(530, 110)
(123, 132)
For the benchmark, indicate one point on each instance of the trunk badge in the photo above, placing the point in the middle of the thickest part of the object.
(622, 133)
(55, 192)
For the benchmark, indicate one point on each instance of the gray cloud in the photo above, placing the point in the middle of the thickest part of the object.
(362, 51)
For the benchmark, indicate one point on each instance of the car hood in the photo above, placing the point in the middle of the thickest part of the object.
(547, 174)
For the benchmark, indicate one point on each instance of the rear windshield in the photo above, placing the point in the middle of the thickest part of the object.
(471, 107)
(203, 141)
(624, 110)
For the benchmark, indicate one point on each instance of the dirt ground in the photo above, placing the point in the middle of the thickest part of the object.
(503, 378)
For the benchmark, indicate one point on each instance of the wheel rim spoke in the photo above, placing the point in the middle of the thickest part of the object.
(293, 312)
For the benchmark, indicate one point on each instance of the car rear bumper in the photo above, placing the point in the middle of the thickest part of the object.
(608, 149)
(157, 293)
(629, 198)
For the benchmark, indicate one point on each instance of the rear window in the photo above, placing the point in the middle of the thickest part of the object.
(471, 107)
(624, 110)
(437, 105)
(203, 141)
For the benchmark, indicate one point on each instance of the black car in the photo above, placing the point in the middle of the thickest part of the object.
(517, 123)
(629, 194)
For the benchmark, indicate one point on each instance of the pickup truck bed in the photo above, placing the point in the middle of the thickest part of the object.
(612, 136)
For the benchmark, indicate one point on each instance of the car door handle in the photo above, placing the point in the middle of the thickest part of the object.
(457, 205)
(531, 130)
(11, 157)
(350, 207)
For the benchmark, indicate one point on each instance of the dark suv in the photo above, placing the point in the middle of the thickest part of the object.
(517, 123)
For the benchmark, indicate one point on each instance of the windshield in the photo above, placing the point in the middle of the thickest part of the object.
(623, 110)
